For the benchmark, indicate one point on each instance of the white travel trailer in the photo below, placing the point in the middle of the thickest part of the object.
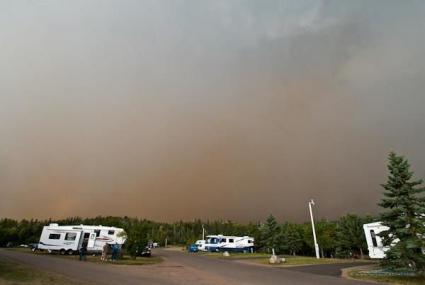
(374, 242)
(227, 243)
(69, 239)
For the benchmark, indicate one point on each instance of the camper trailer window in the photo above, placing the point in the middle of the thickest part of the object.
(213, 240)
(373, 235)
(86, 235)
(111, 232)
(97, 232)
(70, 236)
(54, 236)
(231, 240)
(249, 241)
(222, 240)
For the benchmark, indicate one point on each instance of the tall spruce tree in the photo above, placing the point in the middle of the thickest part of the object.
(404, 216)
(270, 233)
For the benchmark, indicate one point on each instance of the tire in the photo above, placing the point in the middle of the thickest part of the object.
(62, 251)
(70, 252)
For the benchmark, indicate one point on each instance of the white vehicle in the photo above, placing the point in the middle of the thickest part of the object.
(228, 243)
(201, 245)
(374, 242)
(69, 239)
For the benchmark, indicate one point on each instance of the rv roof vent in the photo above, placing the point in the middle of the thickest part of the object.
(54, 225)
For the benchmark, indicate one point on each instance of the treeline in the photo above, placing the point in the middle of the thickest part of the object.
(341, 238)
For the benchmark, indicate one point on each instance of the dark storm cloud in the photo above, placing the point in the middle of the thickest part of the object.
(220, 109)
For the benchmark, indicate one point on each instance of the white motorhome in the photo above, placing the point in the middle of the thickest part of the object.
(69, 239)
(227, 243)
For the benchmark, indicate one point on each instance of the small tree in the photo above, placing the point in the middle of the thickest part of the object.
(325, 231)
(270, 233)
(350, 235)
(136, 239)
(404, 217)
(292, 238)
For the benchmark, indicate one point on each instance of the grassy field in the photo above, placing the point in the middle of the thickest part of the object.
(17, 274)
(125, 260)
(400, 280)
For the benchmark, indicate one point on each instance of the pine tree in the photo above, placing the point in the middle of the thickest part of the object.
(404, 216)
(350, 237)
(292, 238)
(270, 233)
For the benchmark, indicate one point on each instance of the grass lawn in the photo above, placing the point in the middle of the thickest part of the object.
(308, 260)
(235, 255)
(125, 260)
(362, 274)
(12, 273)
(263, 258)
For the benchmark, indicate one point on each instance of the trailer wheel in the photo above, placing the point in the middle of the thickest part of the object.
(62, 252)
(70, 252)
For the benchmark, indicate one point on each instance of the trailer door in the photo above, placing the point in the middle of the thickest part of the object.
(91, 241)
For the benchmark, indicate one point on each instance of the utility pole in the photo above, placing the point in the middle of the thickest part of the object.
(203, 232)
(316, 246)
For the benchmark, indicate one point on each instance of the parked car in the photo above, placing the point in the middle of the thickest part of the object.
(193, 248)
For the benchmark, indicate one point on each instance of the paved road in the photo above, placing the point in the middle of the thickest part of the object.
(178, 268)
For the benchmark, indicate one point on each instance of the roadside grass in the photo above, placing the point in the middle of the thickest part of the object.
(125, 260)
(362, 274)
(308, 260)
(12, 273)
(263, 258)
(235, 255)
(19, 249)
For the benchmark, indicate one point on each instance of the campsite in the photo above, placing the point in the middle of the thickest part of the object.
(212, 142)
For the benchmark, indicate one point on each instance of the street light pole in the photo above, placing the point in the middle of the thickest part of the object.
(203, 232)
(316, 246)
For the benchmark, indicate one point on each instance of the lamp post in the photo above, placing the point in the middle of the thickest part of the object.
(203, 232)
(316, 246)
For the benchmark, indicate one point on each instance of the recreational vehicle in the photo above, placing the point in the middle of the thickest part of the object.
(374, 242)
(69, 239)
(200, 244)
(227, 243)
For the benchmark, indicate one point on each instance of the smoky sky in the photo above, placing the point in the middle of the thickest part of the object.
(173, 110)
